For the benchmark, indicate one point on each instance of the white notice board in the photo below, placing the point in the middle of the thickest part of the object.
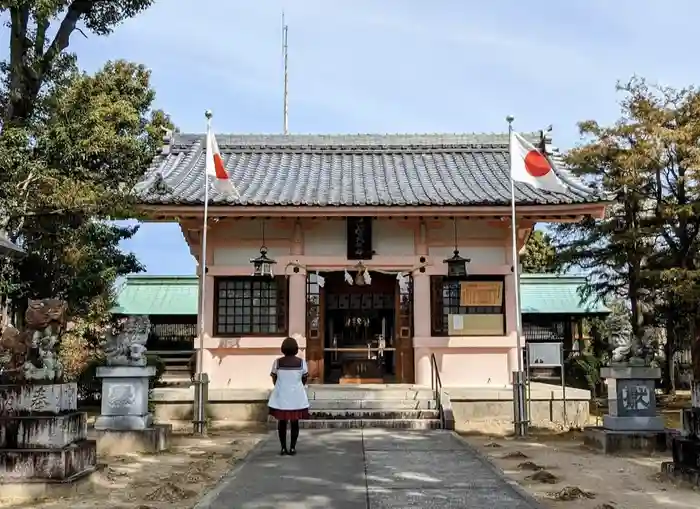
(544, 355)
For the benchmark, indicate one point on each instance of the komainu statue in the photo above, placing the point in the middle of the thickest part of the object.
(126, 344)
(33, 353)
(620, 337)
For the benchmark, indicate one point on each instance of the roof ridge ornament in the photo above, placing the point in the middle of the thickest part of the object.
(159, 186)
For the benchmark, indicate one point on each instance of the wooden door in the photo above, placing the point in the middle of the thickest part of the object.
(314, 328)
(403, 335)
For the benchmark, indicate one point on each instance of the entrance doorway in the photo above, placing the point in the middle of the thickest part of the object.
(359, 333)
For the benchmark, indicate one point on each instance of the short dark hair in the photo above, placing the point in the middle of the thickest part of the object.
(290, 347)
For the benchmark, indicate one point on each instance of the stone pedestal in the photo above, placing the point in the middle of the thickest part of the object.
(686, 447)
(43, 438)
(125, 422)
(631, 422)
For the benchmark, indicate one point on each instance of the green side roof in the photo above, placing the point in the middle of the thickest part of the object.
(158, 295)
(178, 295)
(556, 294)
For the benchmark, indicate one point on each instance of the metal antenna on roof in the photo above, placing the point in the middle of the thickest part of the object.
(285, 55)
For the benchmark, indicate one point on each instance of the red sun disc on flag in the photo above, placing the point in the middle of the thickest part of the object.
(219, 167)
(536, 164)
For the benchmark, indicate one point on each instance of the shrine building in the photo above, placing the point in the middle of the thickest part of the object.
(390, 255)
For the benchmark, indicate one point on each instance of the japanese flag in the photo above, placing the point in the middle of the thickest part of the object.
(530, 166)
(215, 169)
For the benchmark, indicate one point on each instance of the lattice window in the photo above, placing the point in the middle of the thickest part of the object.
(251, 306)
(544, 330)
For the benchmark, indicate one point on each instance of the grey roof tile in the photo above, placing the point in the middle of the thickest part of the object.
(359, 170)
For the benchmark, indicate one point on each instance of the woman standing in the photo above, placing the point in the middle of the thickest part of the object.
(288, 400)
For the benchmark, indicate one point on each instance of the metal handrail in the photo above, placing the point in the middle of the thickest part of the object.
(436, 385)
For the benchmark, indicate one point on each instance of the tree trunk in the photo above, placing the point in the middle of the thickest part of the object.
(669, 373)
(695, 359)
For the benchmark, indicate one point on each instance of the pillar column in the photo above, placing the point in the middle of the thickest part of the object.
(421, 305)
(297, 287)
(297, 303)
(421, 311)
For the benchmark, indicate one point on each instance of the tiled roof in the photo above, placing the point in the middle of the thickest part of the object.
(344, 170)
(556, 294)
(178, 295)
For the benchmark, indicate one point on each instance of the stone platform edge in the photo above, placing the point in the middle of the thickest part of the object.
(538, 392)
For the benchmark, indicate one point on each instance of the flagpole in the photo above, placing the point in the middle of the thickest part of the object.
(201, 378)
(520, 416)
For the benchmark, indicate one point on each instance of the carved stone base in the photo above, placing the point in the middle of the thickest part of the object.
(633, 423)
(38, 398)
(610, 441)
(123, 422)
(71, 462)
(631, 390)
(124, 398)
(30, 431)
(151, 440)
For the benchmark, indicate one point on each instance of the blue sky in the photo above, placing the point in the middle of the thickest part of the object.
(393, 66)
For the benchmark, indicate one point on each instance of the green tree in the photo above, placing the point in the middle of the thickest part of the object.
(646, 249)
(539, 255)
(71, 148)
(613, 251)
(669, 120)
(36, 59)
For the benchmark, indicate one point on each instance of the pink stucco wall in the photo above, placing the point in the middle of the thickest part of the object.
(319, 244)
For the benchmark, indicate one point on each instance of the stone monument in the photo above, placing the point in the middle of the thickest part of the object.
(686, 448)
(125, 424)
(632, 422)
(43, 437)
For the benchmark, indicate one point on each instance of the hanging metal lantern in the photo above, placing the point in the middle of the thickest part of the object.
(456, 265)
(262, 265)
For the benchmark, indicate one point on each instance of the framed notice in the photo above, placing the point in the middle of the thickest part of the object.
(481, 294)
(475, 325)
(544, 355)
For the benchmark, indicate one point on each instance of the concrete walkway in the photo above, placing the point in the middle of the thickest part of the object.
(363, 469)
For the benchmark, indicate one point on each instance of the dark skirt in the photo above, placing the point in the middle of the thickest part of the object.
(289, 415)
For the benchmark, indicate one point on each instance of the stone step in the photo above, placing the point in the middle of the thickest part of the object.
(350, 404)
(372, 423)
(419, 424)
(338, 394)
(374, 414)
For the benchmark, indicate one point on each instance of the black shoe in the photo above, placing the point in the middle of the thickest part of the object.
(292, 451)
(283, 452)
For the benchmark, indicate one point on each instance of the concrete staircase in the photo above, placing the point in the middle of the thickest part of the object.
(372, 406)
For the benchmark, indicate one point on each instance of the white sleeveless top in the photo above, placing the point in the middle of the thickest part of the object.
(289, 392)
